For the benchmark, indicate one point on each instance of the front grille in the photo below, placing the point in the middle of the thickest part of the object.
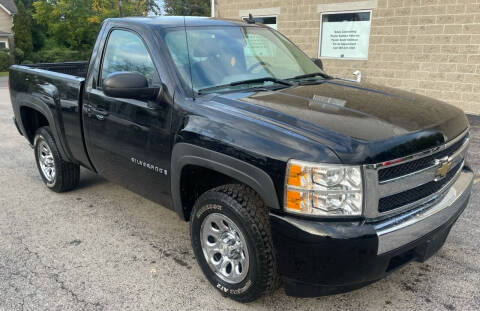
(412, 195)
(417, 165)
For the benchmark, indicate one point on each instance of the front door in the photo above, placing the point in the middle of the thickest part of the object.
(128, 139)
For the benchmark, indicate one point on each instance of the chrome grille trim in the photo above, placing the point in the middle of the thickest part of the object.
(416, 156)
(433, 197)
(412, 180)
(375, 190)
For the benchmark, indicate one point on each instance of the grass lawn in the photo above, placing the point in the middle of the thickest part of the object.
(3, 73)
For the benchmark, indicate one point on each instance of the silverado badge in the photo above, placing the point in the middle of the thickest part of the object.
(445, 165)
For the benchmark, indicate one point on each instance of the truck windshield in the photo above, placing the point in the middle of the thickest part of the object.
(217, 57)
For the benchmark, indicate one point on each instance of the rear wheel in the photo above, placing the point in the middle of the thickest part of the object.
(57, 174)
(231, 239)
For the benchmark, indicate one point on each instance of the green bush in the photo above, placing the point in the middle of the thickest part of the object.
(58, 54)
(35, 58)
(27, 62)
(53, 52)
(4, 61)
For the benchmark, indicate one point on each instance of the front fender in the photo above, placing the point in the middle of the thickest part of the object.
(184, 154)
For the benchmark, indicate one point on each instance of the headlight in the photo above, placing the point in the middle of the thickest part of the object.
(323, 189)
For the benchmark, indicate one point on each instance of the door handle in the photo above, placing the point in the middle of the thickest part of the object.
(99, 113)
(88, 110)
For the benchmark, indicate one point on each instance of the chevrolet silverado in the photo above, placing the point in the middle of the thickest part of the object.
(283, 172)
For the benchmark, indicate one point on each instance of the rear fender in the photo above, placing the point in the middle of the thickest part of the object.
(43, 105)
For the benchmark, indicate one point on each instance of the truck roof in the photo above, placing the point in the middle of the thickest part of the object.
(176, 21)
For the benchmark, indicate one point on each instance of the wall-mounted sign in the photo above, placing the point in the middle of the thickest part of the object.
(345, 35)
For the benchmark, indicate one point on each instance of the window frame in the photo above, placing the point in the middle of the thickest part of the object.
(343, 12)
(264, 16)
(6, 43)
(156, 77)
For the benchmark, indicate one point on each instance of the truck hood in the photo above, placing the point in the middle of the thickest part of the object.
(360, 122)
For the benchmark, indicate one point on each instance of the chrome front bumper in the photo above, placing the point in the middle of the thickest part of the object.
(406, 228)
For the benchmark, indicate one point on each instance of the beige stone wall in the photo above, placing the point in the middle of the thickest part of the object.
(431, 47)
(5, 21)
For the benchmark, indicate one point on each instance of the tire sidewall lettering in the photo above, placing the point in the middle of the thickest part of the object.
(208, 208)
(237, 291)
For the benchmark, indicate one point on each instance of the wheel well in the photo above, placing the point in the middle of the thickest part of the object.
(195, 180)
(32, 120)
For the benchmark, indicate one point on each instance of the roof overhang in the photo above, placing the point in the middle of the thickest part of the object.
(5, 9)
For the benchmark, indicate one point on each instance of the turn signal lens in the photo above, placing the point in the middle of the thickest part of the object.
(294, 200)
(295, 175)
(323, 189)
(298, 201)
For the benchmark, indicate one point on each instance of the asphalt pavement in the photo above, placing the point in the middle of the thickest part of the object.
(101, 247)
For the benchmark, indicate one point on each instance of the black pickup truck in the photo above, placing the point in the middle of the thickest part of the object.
(283, 172)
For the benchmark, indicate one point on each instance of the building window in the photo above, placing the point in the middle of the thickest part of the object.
(3, 45)
(345, 34)
(270, 21)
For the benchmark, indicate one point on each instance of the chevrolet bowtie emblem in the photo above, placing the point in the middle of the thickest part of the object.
(445, 165)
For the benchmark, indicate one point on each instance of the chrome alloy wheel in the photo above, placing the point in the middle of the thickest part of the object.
(224, 247)
(46, 160)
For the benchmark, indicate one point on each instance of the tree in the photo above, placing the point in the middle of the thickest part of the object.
(22, 28)
(66, 21)
(187, 7)
(38, 32)
(26, 3)
(117, 8)
(75, 23)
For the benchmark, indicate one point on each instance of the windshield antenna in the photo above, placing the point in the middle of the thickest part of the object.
(250, 19)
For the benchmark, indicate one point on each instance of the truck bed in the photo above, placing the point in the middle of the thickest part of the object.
(78, 69)
(56, 90)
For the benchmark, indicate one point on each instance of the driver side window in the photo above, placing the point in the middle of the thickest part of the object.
(126, 52)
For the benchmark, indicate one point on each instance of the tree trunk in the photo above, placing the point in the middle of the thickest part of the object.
(120, 8)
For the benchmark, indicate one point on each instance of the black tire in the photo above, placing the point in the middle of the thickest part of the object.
(67, 174)
(246, 209)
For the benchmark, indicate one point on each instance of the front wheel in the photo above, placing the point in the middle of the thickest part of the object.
(231, 239)
(57, 174)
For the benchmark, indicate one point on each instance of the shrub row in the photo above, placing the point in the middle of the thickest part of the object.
(48, 55)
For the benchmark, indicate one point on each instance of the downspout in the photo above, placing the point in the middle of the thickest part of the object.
(212, 8)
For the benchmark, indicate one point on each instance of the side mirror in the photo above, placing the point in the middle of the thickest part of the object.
(128, 85)
(318, 62)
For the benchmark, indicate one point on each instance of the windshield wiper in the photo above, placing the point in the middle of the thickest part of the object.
(259, 80)
(249, 81)
(311, 75)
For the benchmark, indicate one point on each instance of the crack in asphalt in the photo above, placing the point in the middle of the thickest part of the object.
(55, 274)
(51, 273)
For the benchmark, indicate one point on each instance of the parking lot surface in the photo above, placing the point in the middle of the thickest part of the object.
(101, 247)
